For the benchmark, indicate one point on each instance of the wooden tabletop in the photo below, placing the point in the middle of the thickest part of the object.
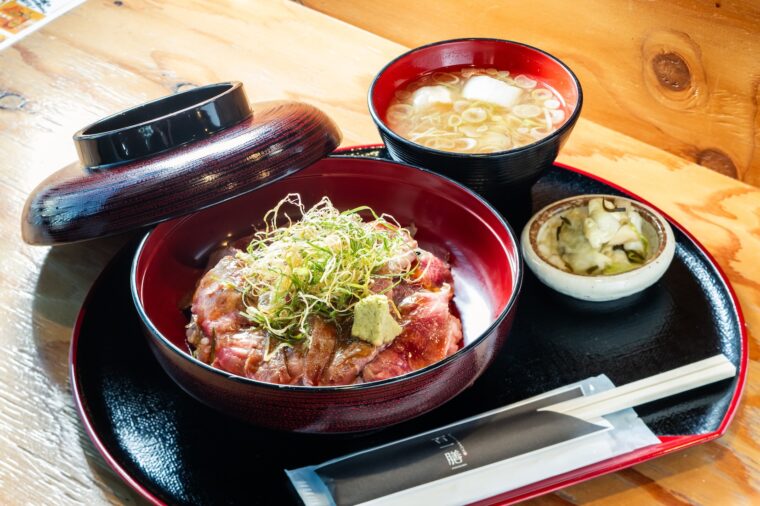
(107, 55)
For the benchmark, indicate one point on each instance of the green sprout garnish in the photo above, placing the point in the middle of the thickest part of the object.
(319, 265)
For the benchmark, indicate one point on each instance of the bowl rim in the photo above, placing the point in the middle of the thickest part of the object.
(567, 125)
(225, 88)
(517, 280)
(663, 229)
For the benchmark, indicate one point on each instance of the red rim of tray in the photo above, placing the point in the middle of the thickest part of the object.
(668, 444)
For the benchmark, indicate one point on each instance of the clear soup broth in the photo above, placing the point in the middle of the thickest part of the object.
(475, 110)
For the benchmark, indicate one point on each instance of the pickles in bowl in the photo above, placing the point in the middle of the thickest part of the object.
(598, 247)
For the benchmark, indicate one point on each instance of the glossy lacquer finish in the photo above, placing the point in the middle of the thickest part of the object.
(173, 449)
(173, 156)
(498, 176)
(450, 221)
(161, 125)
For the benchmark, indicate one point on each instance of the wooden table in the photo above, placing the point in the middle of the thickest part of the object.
(107, 55)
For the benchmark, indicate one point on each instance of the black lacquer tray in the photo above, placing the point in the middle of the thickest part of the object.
(171, 449)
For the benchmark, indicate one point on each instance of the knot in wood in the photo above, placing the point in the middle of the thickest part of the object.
(671, 71)
(718, 161)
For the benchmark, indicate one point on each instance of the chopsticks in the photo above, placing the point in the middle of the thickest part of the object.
(649, 389)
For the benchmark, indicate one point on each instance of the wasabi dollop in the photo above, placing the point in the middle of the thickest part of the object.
(373, 322)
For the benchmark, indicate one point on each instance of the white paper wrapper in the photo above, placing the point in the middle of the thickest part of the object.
(476, 458)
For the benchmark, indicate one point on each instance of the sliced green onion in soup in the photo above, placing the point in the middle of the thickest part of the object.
(427, 141)
(399, 112)
(426, 79)
(552, 104)
(470, 131)
(525, 82)
(433, 119)
(540, 132)
(428, 117)
(416, 136)
(526, 111)
(464, 144)
(403, 127)
(454, 120)
(513, 122)
(469, 72)
(424, 124)
(496, 140)
(445, 143)
(403, 94)
(474, 115)
(461, 105)
(445, 78)
(499, 127)
(438, 143)
(541, 94)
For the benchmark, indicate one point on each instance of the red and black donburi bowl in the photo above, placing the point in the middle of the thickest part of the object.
(494, 175)
(450, 220)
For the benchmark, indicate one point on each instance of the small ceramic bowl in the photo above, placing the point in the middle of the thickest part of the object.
(601, 287)
(493, 174)
(449, 219)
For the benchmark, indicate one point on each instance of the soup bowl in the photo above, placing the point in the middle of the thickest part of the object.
(449, 220)
(493, 175)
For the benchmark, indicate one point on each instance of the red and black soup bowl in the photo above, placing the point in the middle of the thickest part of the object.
(493, 175)
(449, 219)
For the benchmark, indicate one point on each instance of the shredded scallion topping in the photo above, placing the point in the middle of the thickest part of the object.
(319, 264)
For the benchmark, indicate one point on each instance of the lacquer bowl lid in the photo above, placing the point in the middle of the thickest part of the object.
(171, 157)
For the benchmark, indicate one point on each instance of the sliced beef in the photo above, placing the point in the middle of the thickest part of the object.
(285, 366)
(432, 272)
(202, 346)
(383, 286)
(351, 355)
(323, 339)
(217, 302)
(240, 352)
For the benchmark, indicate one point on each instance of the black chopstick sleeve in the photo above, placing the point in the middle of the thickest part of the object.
(454, 449)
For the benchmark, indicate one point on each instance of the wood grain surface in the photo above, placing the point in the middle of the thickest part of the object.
(680, 75)
(105, 56)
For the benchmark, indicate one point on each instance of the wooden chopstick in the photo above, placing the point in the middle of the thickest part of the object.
(649, 389)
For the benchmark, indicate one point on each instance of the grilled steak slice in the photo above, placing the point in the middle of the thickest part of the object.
(351, 355)
(240, 352)
(324, 337)
(217, 302)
